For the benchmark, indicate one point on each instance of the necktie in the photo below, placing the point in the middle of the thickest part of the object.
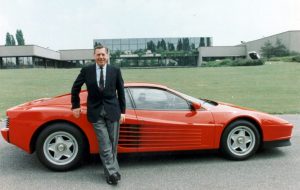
(101, 81)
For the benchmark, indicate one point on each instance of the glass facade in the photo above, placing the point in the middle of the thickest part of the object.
(154, 52)
(133, 44)
(10, 62)
(25, 61)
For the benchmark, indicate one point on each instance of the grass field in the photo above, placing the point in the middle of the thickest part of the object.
(273, 87)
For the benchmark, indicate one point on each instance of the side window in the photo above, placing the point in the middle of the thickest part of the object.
(128, 100)
(156, 99)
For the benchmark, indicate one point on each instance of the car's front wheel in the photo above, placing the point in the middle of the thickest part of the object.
(60, 147)
(240, 140)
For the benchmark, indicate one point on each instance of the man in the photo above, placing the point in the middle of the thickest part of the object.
(105, 107)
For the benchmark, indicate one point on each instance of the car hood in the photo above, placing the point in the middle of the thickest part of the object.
(234, 111)
(62, 100)
(230, 106)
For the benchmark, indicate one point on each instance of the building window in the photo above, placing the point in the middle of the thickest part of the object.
(9, 61)
(38, 62)
(26, 61)
(124, 41)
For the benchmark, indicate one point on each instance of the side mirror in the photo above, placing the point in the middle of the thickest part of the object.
(195, 105)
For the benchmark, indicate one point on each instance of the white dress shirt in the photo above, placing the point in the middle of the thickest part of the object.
(98, 71)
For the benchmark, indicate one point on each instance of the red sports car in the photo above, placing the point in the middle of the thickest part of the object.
(157, 119)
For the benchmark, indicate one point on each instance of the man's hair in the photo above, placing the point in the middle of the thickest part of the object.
(100, 47)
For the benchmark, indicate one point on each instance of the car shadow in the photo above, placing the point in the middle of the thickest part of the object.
(13, 159)
(184, 157)
(15, 162)
(267, 153)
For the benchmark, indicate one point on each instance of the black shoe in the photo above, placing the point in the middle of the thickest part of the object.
(112, 179)
(118, 176)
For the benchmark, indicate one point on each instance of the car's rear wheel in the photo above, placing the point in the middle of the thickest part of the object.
(240, 140)
(60, 146)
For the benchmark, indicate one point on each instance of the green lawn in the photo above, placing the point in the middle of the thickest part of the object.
(273, 87)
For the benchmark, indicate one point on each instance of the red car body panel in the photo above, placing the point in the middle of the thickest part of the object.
(172, 130)
(143, 130)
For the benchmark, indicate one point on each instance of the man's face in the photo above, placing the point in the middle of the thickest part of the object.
(101, 56)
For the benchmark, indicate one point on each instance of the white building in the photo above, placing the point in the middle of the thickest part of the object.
(29, 56)
(291, 40)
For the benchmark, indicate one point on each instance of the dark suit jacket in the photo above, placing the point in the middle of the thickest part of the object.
(113, 104)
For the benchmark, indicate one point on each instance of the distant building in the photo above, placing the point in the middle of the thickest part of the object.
(77, 57)
(133, 44)
(33, 56)
(28, 56)
(291, 40)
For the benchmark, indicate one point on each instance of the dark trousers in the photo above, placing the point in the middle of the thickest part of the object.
(108, 135)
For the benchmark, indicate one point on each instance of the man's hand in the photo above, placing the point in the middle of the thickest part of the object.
(122, 118)
(76, 112)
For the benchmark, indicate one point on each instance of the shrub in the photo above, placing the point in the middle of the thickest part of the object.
(229, 62)
(268, 50)
(275, 59)
(296, 58)
(247, 62)
(286, 58)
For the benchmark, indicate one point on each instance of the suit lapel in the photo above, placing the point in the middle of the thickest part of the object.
(93, 74)
(108, 73)
(93, 77)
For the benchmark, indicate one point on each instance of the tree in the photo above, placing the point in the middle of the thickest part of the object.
(267, 49)
(163, 44)
(202, 43)
(20, 38)
(186, 44)
(193, 46)
(280, 49)
(208, 42)
(8, 39)
(116, 54)
(179, 45)
(97, 44)
(140, 52)
(13, 41)
(151, 46)
(158, 45)
(171, 47)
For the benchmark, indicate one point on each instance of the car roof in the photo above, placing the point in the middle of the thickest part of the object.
(135, 84)
(143, 84)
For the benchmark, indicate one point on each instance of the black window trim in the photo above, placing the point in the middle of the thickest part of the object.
(127, 89)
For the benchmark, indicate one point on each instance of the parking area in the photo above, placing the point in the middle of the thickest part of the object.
(276, 168)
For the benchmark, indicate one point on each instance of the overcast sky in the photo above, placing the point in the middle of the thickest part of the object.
(73, 24)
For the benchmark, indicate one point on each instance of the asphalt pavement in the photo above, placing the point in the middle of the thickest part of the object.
(277, 168)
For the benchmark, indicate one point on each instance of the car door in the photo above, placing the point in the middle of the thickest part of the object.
(128, 134)
(166, 122)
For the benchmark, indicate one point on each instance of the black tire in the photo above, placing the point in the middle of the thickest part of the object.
(60, 147)
(240, 140)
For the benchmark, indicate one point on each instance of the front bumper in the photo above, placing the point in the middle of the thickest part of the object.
(277, 143)
(4, 129)
(277, 132)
